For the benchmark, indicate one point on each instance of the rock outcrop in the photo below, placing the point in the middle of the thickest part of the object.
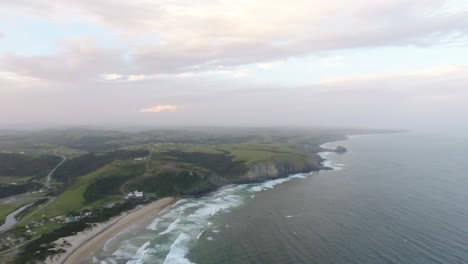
(340, 149)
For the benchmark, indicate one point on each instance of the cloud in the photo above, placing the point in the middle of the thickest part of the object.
(2, 35)
(15, 77)
(269, 65)
(332, 62)
(136, 77)
(78, 59)
(199, 48)
(240, 74)
(393, 101)
(111, 76)
(442, 71)
(159, 108)
(204, 35)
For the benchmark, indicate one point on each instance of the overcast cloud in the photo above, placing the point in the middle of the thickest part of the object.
(395, 64)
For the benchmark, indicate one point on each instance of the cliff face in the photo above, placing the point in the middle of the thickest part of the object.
(265, 170)
(260, 171)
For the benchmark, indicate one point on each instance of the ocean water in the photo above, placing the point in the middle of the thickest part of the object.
(391, 199)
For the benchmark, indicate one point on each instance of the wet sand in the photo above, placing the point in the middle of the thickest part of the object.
(86, 243)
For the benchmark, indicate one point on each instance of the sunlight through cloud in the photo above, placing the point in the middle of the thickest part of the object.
(159, 108)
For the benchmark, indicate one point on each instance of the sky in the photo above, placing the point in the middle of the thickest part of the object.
(399, 64)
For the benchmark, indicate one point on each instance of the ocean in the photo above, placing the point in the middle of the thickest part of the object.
(395, 198)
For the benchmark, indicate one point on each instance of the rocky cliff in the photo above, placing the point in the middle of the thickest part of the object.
(271, 169)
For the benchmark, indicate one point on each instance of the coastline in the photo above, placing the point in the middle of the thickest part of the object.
(81, 246)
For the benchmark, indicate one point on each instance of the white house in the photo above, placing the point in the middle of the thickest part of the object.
(135, 194)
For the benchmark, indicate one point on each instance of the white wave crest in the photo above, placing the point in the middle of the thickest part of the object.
(178, 251)
(171, 227)
(186, 222)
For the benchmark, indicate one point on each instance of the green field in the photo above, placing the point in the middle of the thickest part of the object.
(9, 204)
(73, 199)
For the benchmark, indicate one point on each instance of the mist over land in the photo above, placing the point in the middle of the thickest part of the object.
(115, 113)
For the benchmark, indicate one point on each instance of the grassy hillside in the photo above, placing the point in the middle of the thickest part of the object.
(93, 190)
(90, 162)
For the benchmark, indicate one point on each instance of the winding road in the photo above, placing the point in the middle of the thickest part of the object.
(49, 176)
(46, 185)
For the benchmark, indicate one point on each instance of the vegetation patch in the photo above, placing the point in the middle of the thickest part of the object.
(75, 199)
(221, 164)
(19, 165)
(171, 183)
(90, 162)
(110, 182)
(14, 189)
(42, 247)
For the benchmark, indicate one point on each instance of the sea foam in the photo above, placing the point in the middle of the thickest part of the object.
(189, 220)
(179, 250)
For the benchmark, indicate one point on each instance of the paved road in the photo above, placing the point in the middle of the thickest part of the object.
(149, 160)
(49, 176)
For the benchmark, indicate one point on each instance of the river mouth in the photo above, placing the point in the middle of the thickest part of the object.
(10, 220)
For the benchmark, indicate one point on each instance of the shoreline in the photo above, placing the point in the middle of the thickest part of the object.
(82, 246)
(86, 243)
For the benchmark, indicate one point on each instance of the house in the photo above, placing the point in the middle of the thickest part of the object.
(70, 219)
(136, 194)
(111, 205)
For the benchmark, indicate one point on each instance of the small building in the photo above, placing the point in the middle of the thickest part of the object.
(136, 194)
(89, 213)
(111, 205)
(70, 219)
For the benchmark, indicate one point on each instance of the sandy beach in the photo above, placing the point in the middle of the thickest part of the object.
(82, 245)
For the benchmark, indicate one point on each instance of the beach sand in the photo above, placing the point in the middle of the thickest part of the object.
(84, 244)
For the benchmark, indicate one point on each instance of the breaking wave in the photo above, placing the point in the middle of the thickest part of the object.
(169, 238)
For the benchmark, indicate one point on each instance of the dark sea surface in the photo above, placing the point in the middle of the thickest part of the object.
(399, 198)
